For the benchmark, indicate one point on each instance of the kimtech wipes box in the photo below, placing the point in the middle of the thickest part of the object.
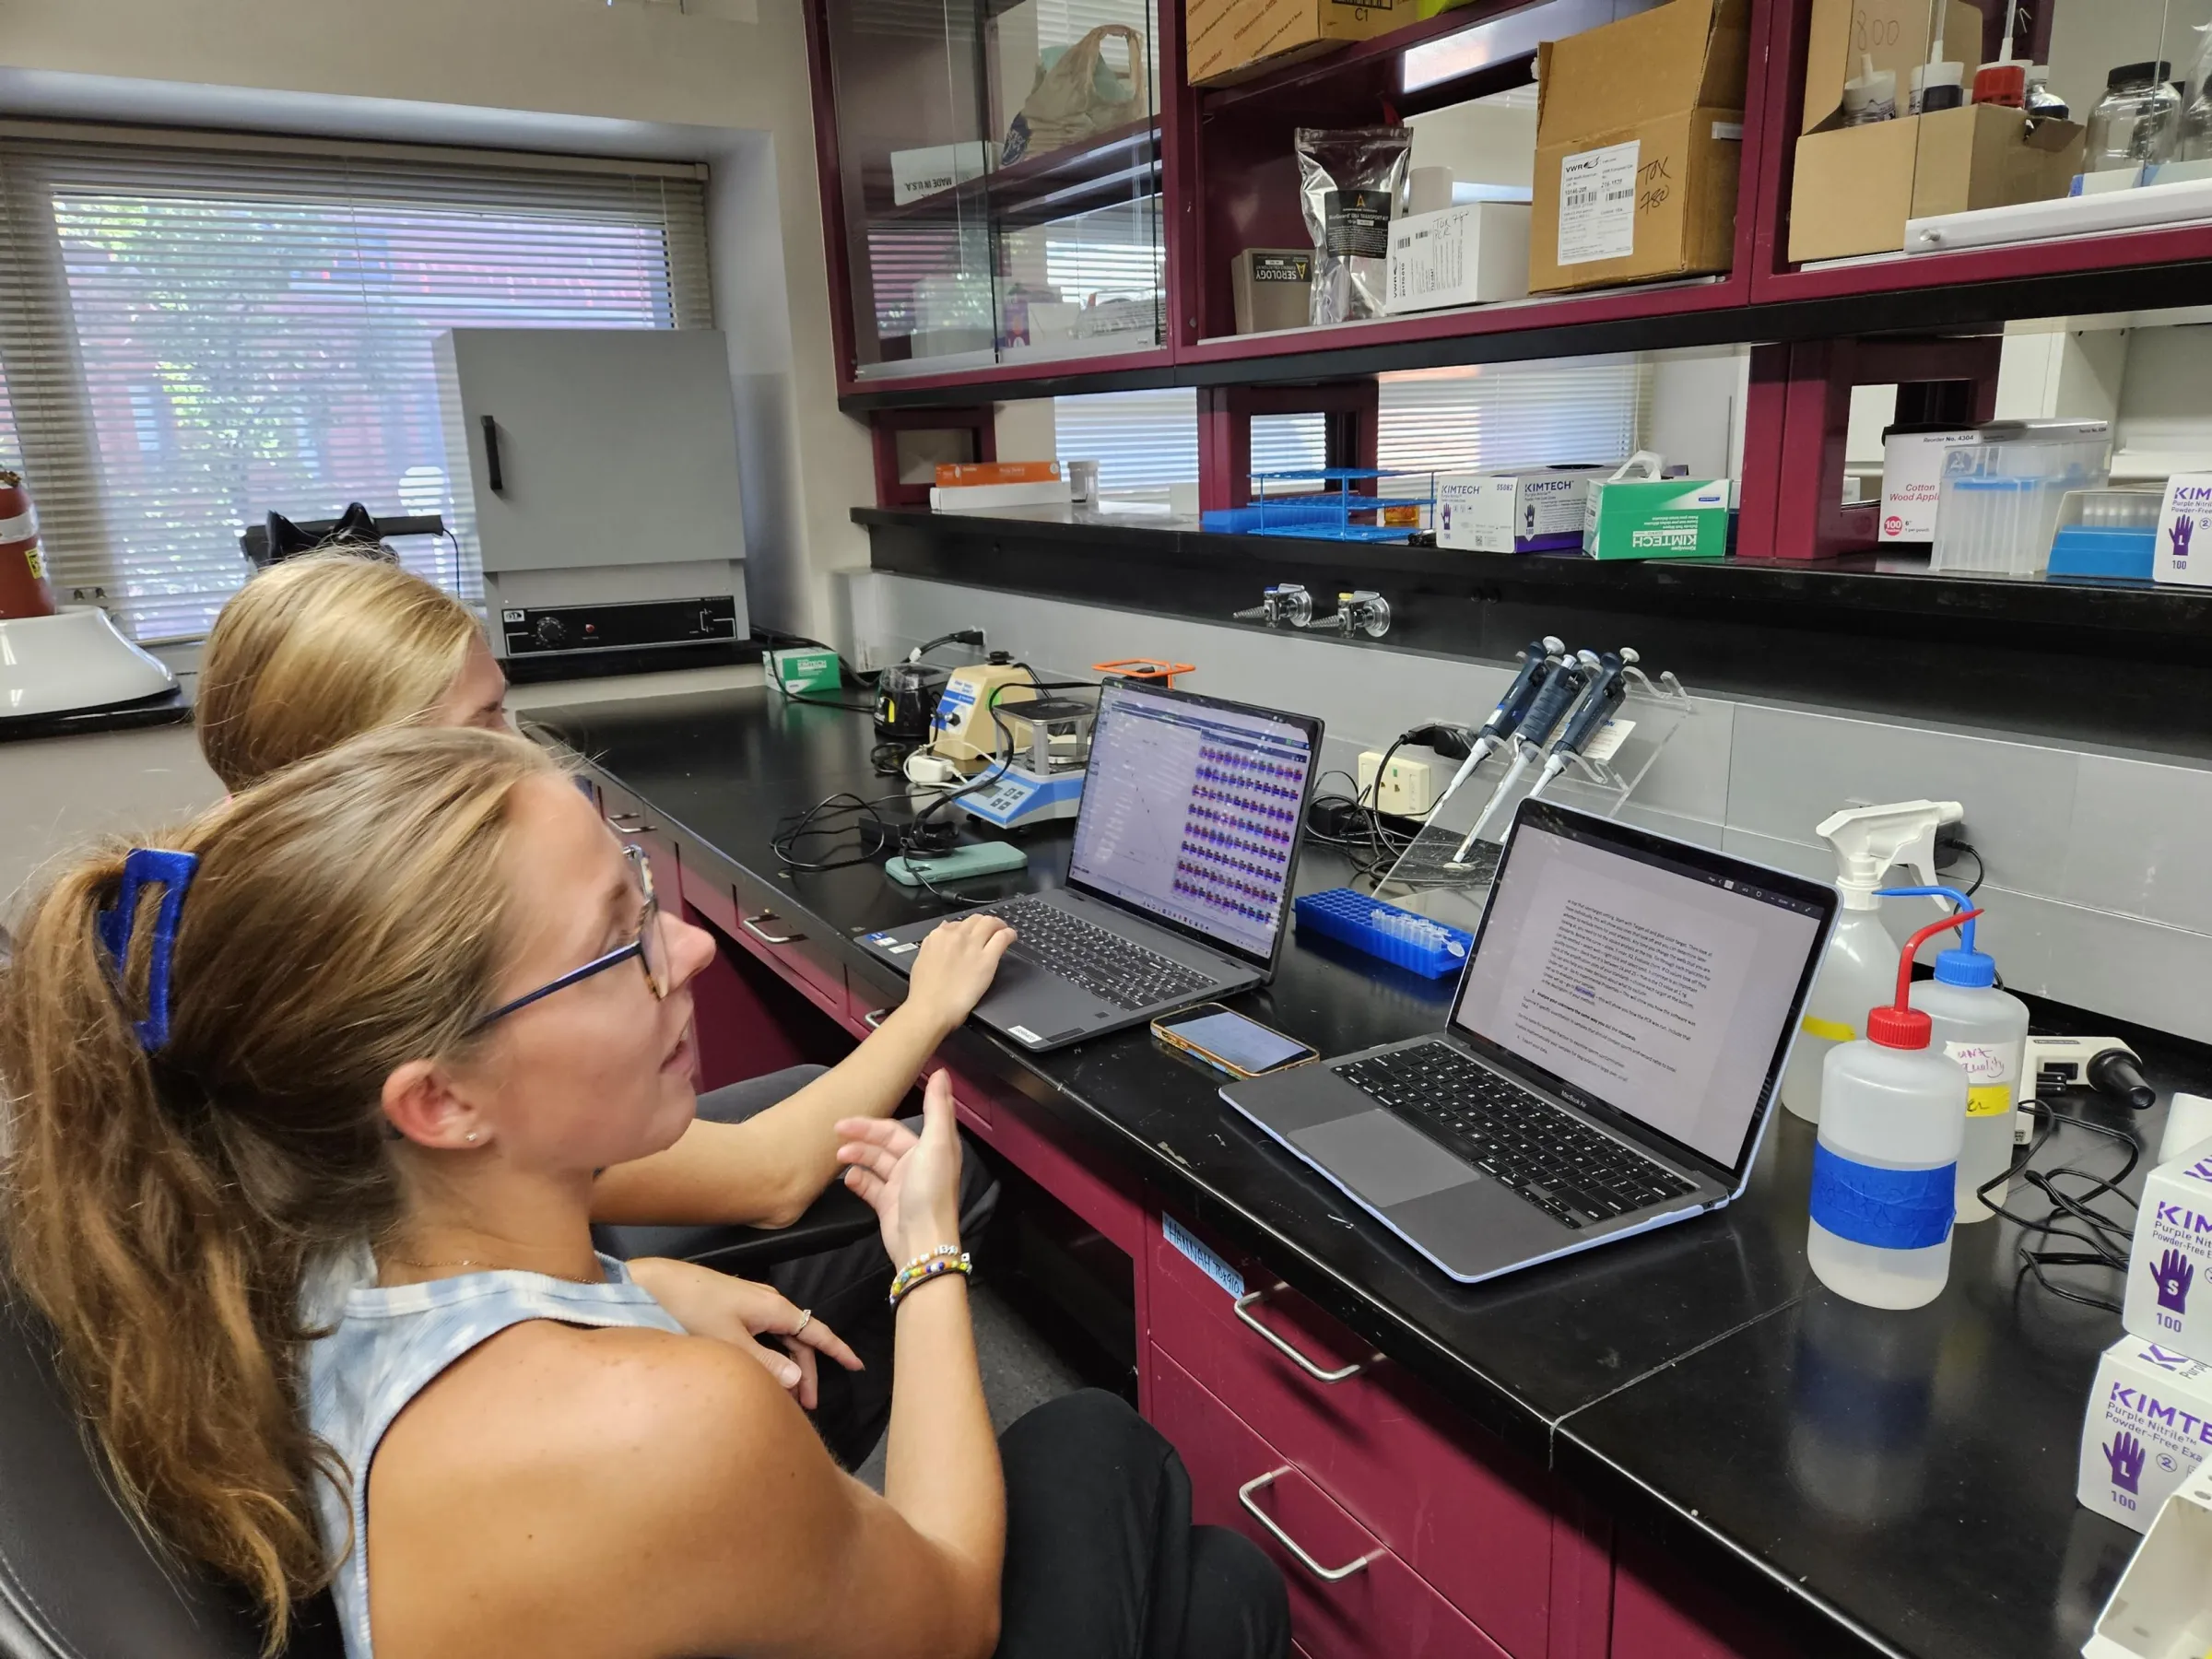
(2169, 1269)
(2150, 1425)
(1656, 518)
(1536, 509)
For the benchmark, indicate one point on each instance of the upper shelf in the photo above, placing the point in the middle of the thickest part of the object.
(1226, 173)
(1107, 169)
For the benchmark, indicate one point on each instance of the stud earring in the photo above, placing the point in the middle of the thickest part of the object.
(471, 1135)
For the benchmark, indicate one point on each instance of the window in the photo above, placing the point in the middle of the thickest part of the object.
(1441, 419)
(195, 333)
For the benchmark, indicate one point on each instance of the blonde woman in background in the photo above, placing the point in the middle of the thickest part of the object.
(304, 1135)
(327, 645)
(324, 646)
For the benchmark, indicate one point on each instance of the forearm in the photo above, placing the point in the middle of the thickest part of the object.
(941, 1461)
(765, 1171)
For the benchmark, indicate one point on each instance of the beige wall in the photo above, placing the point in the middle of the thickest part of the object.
(709, 66)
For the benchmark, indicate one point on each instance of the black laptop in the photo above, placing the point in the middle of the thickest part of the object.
(1611, 1062)
(1179, 884)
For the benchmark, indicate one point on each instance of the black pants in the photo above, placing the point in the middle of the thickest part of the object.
(845, 1286)
(1102, 1561)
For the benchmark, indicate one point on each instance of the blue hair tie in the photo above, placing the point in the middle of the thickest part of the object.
(173, 871)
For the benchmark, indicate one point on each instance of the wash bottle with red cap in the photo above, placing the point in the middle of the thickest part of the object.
(1892, 1115)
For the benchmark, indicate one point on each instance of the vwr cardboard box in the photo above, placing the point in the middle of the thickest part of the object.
(1230, 40)
(1640, 133)
(1854, 188)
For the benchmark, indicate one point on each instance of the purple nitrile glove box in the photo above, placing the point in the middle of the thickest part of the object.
(2149, 1425)
(2168, 1298)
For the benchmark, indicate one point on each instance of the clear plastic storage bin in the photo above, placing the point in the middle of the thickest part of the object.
(1999, 499)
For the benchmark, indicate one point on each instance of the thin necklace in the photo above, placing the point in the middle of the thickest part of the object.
(488, 1267)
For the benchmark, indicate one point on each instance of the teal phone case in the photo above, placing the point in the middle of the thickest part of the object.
(985, 858)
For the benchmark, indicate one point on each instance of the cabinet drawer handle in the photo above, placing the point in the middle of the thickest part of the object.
(1246, 1301)
(875, 1017)
(1326, 1574)
(631, 823)
(752, 926)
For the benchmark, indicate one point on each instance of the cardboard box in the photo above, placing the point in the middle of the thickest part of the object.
(1230, 40)
(1537, 510)
(1273, 288)
(1639, 144)
(916, 173)
(2169, 1296)
(1459, 256)
(1854, 188)
(2148, 1428)
(1892, 32)
(1656, 518)
(2182, 554)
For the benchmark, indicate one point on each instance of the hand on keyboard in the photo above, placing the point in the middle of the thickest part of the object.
(954, 967)
(1111, 967)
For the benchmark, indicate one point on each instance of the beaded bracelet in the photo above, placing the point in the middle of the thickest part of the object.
(946, 1258)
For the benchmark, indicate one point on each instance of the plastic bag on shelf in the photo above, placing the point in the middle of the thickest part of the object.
(1079, 94)
(1352, 180)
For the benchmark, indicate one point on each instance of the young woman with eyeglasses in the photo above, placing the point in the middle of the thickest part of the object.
(328, 646)
(303, 1113)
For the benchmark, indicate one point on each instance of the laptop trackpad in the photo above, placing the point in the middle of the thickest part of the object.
(1382, 1159)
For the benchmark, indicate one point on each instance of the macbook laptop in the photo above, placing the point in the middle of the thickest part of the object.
(1611, 1062)
(1180, 879)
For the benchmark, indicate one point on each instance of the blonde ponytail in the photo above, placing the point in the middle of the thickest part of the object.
(162, 1210)
(320, 649)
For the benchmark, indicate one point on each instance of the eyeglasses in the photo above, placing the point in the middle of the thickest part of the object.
(648, 946)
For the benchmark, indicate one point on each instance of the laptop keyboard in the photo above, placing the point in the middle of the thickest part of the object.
(1111, 967)
(1555, 1160)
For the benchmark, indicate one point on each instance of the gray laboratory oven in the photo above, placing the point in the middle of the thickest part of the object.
(595, 480)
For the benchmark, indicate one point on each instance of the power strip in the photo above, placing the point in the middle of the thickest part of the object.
(1408, 788)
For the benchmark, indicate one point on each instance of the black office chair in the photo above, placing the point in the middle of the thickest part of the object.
(837, 1217)
(77, 1579)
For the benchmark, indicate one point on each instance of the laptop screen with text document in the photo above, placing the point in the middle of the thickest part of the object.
(1191, 813)
(1639, 979)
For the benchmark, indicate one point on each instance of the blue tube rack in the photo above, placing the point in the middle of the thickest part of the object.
(1326, 513)
(1344, 915)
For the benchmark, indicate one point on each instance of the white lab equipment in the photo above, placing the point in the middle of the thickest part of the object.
(1997, 506)
(595, 480)
(1985, 1030)
(1860, 967)
(1885, 1166)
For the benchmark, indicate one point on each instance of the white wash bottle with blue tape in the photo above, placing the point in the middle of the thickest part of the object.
(1892, 1115)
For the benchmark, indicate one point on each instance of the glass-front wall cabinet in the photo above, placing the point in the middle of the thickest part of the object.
(999, 170)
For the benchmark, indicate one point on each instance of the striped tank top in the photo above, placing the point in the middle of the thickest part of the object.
(386, 1346)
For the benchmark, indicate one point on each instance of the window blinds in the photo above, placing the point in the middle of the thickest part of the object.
(195, 332)
(1466, 419)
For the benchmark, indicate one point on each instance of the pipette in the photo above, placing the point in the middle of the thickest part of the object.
(1506, 718)
(1607, 688)
(1562, 683)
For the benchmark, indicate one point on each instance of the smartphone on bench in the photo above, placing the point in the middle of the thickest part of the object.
(1227, 1041)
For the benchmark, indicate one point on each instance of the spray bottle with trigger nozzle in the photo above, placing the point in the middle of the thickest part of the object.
(1505, 719)
(1559, 684)
(1857, 971)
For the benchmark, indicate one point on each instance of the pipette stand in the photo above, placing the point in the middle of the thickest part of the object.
(1431, 879)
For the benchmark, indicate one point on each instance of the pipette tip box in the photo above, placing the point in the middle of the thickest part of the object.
(1398, 937)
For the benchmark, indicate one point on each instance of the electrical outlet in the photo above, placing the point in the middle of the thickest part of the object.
(1408, 789)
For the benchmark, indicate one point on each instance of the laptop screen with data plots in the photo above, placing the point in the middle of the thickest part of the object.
(1191, 813)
